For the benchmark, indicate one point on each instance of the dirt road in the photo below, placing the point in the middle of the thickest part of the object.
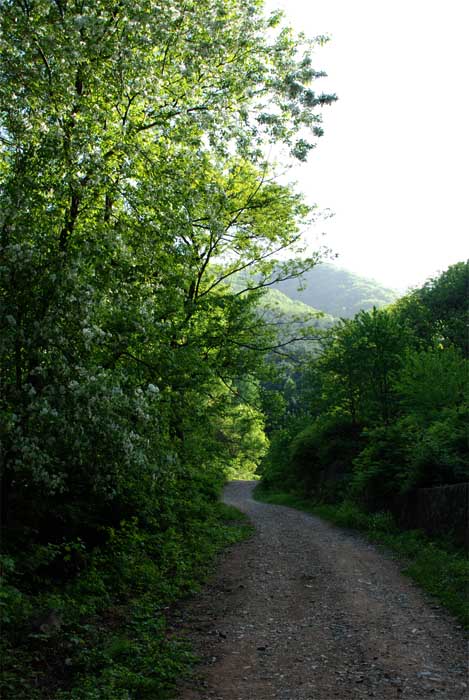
(306, 611)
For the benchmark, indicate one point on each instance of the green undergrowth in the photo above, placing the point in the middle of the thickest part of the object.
(104, 634)
(436, 566)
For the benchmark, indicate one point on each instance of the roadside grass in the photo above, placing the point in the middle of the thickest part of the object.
(113, 642)
(438, 567)
(230, 514)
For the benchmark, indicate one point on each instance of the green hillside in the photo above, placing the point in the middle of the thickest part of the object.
(336, 291)
(278, 302)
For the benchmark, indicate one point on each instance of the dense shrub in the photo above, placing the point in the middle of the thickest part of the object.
(315, 458)
(381, 468)
(275, 467)
(442, 454)
(322, 452)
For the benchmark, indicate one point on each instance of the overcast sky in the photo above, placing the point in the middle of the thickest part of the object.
(393, 164)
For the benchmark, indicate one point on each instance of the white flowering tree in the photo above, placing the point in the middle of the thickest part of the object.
(134, 184)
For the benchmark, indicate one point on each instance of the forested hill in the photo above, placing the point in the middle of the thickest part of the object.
(283, 304)
(337, 291)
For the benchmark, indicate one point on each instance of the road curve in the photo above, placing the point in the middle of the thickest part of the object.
(307, 611)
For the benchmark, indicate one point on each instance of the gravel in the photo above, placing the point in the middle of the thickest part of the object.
(306, 611)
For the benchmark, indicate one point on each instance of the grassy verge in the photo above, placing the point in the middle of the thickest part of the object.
(103, 635)
(436, 566)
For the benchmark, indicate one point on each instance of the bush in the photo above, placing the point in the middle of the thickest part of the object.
(381, 469)
(404, 456)
(275, 467)
(442, 454)
(321, 455)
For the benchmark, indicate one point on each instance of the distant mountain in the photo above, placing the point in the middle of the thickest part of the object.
(274, 303)
(336, 291)
(278, 302)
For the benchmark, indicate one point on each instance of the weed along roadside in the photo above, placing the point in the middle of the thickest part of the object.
(109, 632)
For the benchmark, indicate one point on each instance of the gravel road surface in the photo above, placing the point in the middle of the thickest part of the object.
(307, 611)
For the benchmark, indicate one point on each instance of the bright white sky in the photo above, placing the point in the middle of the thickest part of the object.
(393, 163)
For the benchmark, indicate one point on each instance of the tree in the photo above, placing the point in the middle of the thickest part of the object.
(446, 298)
(360, 364)
(134, 186)
(438, 311)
